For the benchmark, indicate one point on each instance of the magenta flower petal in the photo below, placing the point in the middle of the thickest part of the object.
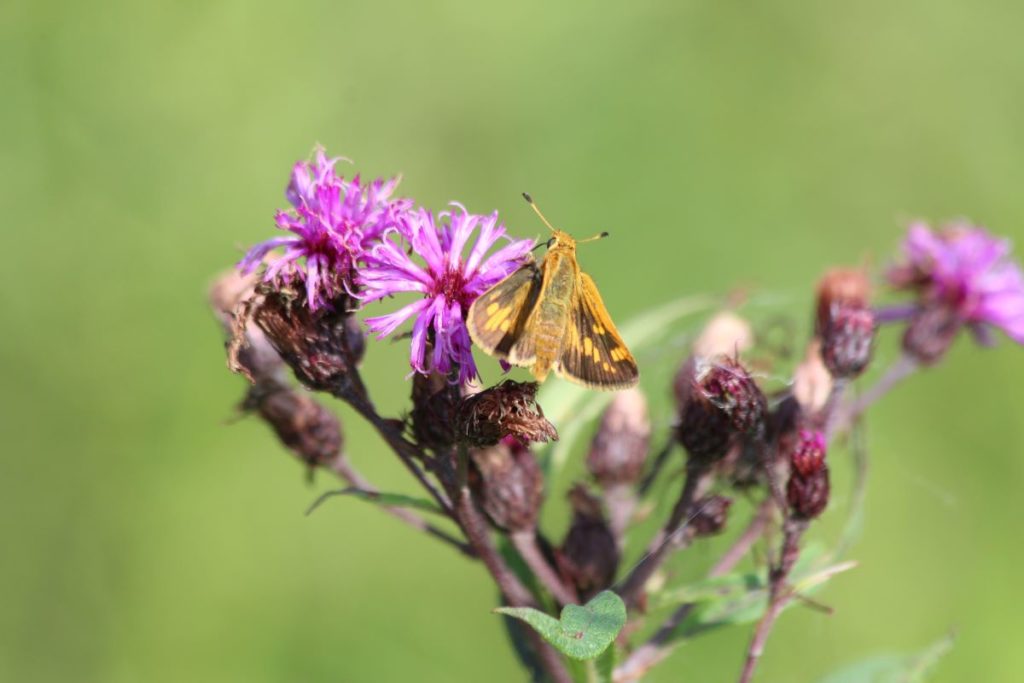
(333, 222)
(966, 270)
(449, 279)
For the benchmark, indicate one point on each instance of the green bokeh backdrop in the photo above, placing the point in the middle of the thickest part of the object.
(723, 143)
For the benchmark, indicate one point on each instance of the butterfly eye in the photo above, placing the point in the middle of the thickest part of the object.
(551, 242)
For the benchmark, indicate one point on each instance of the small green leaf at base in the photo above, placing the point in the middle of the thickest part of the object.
(583, 632)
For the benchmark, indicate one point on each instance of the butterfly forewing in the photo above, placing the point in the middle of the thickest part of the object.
(593, 353)
(498, 319)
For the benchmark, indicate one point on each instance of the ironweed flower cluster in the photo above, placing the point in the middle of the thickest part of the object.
(481, 455)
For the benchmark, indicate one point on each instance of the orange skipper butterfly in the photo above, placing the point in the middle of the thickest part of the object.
(551, 317)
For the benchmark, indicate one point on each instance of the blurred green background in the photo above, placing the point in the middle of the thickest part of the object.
(723, 143)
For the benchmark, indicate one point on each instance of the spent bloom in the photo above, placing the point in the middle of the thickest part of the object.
(449, 280)
(966, 271)
(333, 221)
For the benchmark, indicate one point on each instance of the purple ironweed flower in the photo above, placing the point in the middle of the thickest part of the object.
(966, 271)
(449, 281)
(333, 222)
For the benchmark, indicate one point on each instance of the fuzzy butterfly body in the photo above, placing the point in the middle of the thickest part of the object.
(550, 317)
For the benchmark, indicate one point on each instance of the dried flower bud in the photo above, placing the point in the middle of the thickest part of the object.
(812, 382)
(619, 448)
(309, 429)
(725, 334)
(840, 287)
(249, 352)
(847, 340)
(315, 345)
(506, 409)
(808, 487)
(711, 514)
(508, 484)
(930, 334)
(725, 402)
(589, 556)
(434, 404)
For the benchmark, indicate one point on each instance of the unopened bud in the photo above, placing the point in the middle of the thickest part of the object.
(307, 428)
(589, 556)
(725, 334)
(711, 514)
(508, 484)
(838, 288)
(930, 333)
(725, 402)
(812, 382)
(619, 448)
(808, 488)
(847, 339)
(506, 409)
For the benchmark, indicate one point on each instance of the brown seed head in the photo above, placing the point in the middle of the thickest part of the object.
(307, 428)
(506, 409)
(317, 346)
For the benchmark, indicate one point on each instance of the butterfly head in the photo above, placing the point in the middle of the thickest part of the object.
(559, 240)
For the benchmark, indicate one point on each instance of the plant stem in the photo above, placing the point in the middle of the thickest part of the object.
(341, 466)
(525, 543)
(514, 591)
(903, 367)
(778, 595)
(408, 453)
(658, 646)
(671, 536)
(656, 465)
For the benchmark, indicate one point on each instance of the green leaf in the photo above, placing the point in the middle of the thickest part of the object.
(391, 500)
(894, 668)
(572, 407)
(582, 632)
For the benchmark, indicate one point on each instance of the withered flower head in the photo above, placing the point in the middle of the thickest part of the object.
(725, 402)
(619, 448)
(249, 352)
(589, 556)
(508, 483)
(318, 346)
(307, 428)
(808, 488)
(506, 409)
(712, 512)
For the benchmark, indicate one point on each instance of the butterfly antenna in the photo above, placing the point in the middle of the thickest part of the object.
(529, 200)
(598, 236)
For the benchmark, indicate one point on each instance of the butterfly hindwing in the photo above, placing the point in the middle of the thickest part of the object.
(498, 318)
(593, 353)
